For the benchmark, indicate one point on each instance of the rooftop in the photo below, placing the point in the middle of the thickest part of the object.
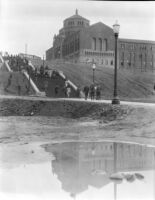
(76, 16)
(136, 41)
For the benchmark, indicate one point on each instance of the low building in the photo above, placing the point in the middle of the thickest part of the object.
(34, 57)
(34, 60)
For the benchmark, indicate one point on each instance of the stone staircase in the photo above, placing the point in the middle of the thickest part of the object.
(19, 83)
(37, 85)
(49, 84)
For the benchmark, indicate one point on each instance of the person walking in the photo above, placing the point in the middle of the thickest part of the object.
(98, 92)
(78, 92)
(19, 89)
(92, 91)
(95, 90)
(86, 92)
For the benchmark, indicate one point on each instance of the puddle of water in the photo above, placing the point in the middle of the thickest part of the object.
(85, 170)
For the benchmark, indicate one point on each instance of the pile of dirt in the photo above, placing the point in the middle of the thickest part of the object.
(112, 112)
(71, 109)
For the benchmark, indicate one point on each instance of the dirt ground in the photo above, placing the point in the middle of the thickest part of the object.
(24, 126)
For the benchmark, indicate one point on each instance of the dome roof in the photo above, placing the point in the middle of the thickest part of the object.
(76, 16)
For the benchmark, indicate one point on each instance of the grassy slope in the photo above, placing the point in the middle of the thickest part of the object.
(130, 84)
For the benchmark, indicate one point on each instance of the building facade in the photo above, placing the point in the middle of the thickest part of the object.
(78, 41)
(137, 54)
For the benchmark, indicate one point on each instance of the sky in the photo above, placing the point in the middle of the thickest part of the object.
(33, 23)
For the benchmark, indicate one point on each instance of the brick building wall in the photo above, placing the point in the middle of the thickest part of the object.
(137, 54)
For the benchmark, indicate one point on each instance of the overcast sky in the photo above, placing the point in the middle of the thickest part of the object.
(34, 22)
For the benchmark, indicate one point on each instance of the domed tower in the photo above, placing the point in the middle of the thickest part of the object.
(74, 23)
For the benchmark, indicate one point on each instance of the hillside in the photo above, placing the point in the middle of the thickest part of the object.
(131, 84)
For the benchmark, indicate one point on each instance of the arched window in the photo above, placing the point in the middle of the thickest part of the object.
(100, 44)
(94, 44)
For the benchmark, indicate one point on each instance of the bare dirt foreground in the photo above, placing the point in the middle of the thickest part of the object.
(26, 124)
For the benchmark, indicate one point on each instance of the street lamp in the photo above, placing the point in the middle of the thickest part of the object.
(115, 100)
(94, 67)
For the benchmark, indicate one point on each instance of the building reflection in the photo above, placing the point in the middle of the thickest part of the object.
(83, 164)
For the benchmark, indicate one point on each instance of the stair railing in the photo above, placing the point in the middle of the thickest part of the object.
(5, 63)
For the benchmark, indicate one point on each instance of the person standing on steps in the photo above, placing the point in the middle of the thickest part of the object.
(56, 90)
(8, 83)
(66, 83)
(68, 91)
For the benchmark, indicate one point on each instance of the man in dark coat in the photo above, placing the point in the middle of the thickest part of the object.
(98, 92)
(56, 90)
(92, 92)
(86, 92)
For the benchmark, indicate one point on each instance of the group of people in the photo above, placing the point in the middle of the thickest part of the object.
(16, 63)
(92, 91)
(67, 90)
(45, 72)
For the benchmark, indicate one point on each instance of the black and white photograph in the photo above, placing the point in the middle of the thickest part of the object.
(77, 100)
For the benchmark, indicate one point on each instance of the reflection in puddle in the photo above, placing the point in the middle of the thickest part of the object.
(87, 170)
(80, 165)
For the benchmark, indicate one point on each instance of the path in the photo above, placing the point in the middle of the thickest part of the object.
(39, 98)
